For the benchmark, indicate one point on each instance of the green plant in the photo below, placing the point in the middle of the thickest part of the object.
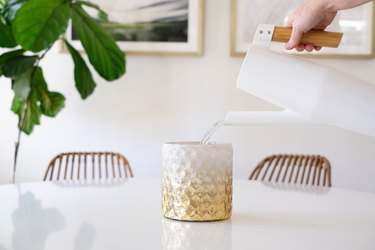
(29, 28)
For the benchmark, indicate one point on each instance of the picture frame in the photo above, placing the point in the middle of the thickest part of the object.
(152, 27)
(357, 24)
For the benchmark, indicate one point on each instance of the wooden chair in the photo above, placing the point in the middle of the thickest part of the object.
(297, 169)
(88, 166)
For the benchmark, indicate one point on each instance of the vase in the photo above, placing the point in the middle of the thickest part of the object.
(197, 181)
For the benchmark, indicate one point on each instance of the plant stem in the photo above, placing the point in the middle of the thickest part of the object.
(22, 121)
(42, 56)
(17, 144)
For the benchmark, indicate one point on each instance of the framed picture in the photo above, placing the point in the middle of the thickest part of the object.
(152, 26)
(357, 25)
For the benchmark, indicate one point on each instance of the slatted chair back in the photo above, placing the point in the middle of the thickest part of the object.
(88, 166)
(297, 169)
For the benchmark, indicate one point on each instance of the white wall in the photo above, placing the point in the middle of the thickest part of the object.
(177, 98)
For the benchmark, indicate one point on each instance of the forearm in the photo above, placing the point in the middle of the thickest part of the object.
(336, 5)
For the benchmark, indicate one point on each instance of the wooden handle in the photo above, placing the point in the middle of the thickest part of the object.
(315, 37)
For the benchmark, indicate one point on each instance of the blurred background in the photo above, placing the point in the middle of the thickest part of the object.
(177, 98)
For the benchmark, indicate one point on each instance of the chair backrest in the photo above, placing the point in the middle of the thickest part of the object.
(88, 166)
(297, 169)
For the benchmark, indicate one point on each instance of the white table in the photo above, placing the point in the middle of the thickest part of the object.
(36, 216)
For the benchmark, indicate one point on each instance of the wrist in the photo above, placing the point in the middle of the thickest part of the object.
(336, 5)
(325, 5)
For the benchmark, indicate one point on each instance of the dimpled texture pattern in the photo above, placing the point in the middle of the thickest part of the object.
(197, 181)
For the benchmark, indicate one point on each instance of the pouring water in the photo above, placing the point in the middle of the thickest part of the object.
(210, 132)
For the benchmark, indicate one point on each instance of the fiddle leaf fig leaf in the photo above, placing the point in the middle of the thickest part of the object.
(7, 39)
(17, 106)
(18, 65)
(85, 83)
(103, 53)
(6, 56)
(25, 100)
(21, 86)
(32, 115)
(39, 23)
(50, 102)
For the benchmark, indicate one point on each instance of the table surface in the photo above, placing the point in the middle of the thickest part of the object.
(128, 216)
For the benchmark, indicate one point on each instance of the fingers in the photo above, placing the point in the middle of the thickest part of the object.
(309, 47)
(295, 38)
(295, 41)
(300, 47)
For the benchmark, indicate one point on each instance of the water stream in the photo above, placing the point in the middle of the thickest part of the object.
(206, 138)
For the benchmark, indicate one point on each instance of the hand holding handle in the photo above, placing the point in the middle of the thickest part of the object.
(315, 37)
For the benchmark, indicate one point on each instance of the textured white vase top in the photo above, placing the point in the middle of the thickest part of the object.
(195, 155)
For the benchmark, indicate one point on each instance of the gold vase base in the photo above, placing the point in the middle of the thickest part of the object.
(195, 207)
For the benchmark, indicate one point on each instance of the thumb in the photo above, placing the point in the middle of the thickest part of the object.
(295, 38)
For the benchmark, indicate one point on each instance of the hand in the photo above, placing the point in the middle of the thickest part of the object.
(309, 16)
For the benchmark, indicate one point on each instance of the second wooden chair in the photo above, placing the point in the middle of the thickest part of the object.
(297, 169)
